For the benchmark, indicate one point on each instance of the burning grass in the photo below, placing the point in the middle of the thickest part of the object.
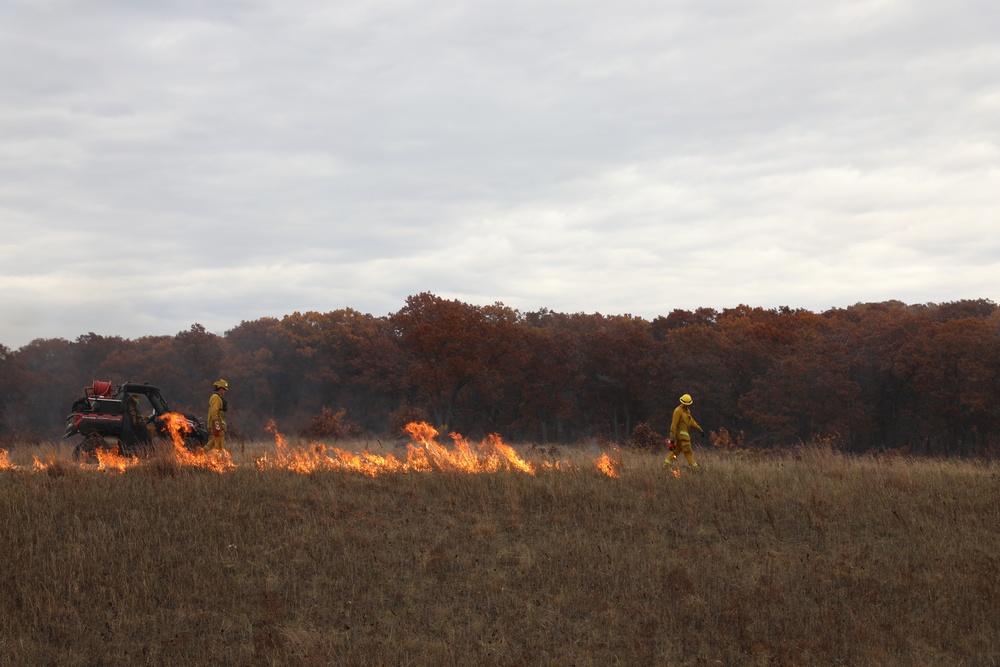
(422, 455)
(815, 559)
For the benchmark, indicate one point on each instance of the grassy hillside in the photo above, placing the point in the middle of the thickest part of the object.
(802, 560)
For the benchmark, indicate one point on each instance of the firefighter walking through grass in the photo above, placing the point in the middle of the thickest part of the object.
(680, 433)
(217, 406)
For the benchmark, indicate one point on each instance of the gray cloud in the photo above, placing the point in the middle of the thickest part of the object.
(166, 163)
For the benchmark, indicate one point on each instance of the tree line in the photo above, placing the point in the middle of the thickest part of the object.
(922, 378)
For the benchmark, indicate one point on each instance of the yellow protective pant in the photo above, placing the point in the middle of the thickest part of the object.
(216, 442)
(684, 446)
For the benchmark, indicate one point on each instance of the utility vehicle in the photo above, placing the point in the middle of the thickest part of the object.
(130, 417)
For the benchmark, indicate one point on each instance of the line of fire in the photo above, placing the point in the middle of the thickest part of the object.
(423, 455)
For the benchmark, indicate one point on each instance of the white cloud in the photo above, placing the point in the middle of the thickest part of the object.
(629, 157)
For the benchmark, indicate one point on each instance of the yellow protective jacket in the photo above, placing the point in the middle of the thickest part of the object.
(683, 422)
(133, 413)
(215, 412)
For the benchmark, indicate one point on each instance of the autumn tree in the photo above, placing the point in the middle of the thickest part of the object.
(546, 400)
(202, 354)
(49, 382)
(455, 353)
(254, 352)
(691, 358)
(923, 378)
(883, 364)
(616, 362)
(807, 392)
(10, 377)
(294, 367)
(957, 385)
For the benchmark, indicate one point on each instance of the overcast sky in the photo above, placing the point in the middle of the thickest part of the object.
(171, 162)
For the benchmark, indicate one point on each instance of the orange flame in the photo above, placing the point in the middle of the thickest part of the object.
(40, 466)
(425, 454)
(215, 460)
(37, 465)
(492, 455)
(319, 457)
(112, 460)
(608, 465)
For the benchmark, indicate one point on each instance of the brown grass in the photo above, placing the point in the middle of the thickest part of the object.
(802, 560)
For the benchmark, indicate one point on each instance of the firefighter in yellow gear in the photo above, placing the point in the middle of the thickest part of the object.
(139, 423)
(680, 433)
(216, 421)
(133, 411)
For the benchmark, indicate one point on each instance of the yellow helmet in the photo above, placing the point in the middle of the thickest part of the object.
(686, 399)
(221, 384)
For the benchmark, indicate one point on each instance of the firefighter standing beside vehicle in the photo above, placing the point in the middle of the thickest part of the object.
(216, 421)
(680, 433)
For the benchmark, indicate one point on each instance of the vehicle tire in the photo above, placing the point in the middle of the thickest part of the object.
(86, 451)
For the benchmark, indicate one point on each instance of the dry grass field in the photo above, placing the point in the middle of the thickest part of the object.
(807, 559)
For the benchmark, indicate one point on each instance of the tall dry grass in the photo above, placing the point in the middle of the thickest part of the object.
(814, 559)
